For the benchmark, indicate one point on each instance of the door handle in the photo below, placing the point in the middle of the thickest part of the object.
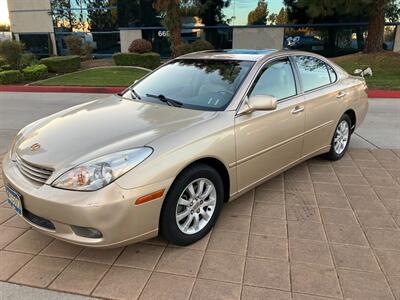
(341, 95)
(297, 109)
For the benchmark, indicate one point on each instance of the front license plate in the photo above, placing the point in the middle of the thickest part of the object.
(14, 199)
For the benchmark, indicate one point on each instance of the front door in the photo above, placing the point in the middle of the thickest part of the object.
(267, 141)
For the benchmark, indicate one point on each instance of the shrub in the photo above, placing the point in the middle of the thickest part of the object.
(2, 61)
(201, 45)
(183, 49)
(10, 77)
(77, 46)
(73, 44)
(150, 60)
(27, 59)
(35, 72)
(6, 67)
(86, 51)
(11, 51)
(140, 46)
(62, 64)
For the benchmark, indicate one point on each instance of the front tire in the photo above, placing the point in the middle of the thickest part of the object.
(341, 139)
(192, 205)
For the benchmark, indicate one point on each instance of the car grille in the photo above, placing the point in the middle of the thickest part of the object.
(35, 173)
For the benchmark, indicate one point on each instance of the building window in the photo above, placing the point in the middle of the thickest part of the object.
(38, 44)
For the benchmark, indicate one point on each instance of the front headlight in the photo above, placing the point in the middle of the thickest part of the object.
(101, 171)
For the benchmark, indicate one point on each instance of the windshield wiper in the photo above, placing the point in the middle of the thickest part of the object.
(164, 99)
(134, 94)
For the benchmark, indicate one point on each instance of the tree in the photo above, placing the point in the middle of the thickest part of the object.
(272, 18)
(210, 11)
(4, 27)
(259, 15)
(326, 11)
(282, 17)
(376, 26)
(170, 10)
(63, 16)
(99, 16)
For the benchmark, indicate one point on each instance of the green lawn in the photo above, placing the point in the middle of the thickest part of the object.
(385, 68)
(109, 76)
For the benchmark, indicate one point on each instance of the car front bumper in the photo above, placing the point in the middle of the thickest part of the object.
(110, 210)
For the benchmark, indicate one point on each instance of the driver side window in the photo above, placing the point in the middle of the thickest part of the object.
(276, 80)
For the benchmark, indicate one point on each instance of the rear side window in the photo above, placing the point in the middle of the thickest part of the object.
(313, 72)
(276, 80)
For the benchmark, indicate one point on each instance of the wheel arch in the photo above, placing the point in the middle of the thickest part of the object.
(216, 164)
(220, 167)
(352, 115)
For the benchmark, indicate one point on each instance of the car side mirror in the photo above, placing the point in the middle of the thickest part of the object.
(363, 73)
(260, 102)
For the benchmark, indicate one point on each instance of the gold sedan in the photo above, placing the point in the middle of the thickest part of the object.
(165, 155)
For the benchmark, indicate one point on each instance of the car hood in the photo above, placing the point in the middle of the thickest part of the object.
(100, 127)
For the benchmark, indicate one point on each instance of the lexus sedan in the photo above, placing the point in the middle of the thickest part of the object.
(164, 155)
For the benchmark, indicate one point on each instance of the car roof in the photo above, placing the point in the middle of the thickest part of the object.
(231, 54)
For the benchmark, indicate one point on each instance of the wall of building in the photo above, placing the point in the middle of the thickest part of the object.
(258, 38)
(30, 16)
(127, 36)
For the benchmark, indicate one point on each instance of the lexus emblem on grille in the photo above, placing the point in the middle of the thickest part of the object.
(35, 147)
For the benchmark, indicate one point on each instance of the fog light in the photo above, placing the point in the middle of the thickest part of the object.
(87, 232)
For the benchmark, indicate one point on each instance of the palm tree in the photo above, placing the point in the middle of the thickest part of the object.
(172, 21)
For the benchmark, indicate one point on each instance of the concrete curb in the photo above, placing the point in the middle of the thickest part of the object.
(113, 90)
(384, 93)
(61, 89)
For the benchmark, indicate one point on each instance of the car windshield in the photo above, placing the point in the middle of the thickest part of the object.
(204, 84)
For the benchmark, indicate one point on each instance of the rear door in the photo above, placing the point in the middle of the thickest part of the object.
(267, 141)
(321, 101)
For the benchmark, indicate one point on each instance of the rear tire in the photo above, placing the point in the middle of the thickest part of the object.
(192, 205)
(341, 139)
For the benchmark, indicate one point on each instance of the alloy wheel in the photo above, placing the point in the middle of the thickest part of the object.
(196, 206)
(341, 137)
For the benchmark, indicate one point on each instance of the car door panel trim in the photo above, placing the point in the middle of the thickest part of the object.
(288, 166)
(243, 160)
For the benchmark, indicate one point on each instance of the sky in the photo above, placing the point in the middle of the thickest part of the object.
(3, 12)
(240, 7)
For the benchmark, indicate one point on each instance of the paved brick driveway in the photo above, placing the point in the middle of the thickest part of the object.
(320, 230)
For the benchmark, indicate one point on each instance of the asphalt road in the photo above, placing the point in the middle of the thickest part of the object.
(381, 128)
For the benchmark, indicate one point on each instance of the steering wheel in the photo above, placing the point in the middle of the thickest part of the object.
(226, 92)
(216, 99)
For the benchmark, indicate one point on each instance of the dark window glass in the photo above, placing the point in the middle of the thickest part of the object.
(332, 73)
(276, 80)
(83, 15)
(313, 72)
(198, 84)
(102, 44)
(137, 13)
(38, 44)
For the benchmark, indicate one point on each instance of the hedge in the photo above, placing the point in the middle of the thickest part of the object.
(35, 72)
(10, 77)
(62, 64)
(2, 61)
(5, 68)
(150, 60)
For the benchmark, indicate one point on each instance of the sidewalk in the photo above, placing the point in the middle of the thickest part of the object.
(321, 229)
